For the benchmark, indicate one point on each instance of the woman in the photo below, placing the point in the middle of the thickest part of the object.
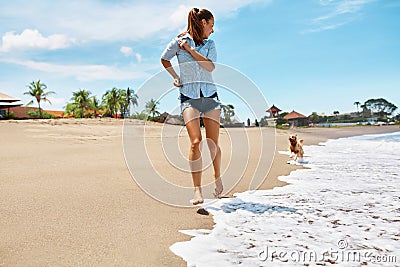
(198, 95)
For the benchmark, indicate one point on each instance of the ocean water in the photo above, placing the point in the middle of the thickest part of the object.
(343, 210)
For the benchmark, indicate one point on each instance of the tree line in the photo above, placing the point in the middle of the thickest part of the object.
(83, 105)
(114, 103)
(117, 103)
(378, 108)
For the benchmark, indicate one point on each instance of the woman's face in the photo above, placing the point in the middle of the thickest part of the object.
(208, 27)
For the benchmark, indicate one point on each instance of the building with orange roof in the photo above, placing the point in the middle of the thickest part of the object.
(22, 112)
(7, 103)
(55, 113)
(296, 119)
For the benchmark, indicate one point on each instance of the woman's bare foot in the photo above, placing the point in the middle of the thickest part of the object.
(218, 187)
(198, 197)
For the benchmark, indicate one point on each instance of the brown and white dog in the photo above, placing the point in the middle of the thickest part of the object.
(296, 148)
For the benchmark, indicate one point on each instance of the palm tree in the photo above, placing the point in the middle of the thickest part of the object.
(95, 105)
(357, 103)
(111, 100)
(336, 113)
(123, 102)
(151, 107)
(71, 109)
(131, 98)
(81, 98)
(37, 90)
(229, 112)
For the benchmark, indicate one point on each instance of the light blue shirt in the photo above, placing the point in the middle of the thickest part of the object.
(193, 77)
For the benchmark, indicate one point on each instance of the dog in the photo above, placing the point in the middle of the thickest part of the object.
(296, 148)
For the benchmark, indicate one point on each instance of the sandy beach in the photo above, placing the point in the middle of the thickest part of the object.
(68, 198)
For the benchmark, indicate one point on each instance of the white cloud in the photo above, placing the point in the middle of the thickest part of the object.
(33, 39)
(342, 12)
(178, 17)
(138, 57)
(86, 72)
(93, 20)
(126, 50)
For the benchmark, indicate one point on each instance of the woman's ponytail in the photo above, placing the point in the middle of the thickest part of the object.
(195, 26)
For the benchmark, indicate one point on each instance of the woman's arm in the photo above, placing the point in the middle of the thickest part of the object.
(204, 62)
(168, 66)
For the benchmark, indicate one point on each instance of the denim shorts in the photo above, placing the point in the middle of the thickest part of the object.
(202, 104)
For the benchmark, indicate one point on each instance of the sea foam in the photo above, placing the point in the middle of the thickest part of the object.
(341, 211)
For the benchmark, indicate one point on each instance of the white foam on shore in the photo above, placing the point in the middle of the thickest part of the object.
(347, 204)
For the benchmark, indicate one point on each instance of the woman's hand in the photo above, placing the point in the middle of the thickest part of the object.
(168, 66)
(177, 82)
(202, 60)
(184, 45)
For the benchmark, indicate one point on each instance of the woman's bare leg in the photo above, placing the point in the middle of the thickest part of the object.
(211, 122)
(192, 120)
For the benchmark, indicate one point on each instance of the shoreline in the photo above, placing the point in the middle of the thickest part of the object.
(311, 136)
(66, 188)
(343, 196)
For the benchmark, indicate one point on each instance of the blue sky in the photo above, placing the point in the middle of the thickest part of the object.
(308, 55)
